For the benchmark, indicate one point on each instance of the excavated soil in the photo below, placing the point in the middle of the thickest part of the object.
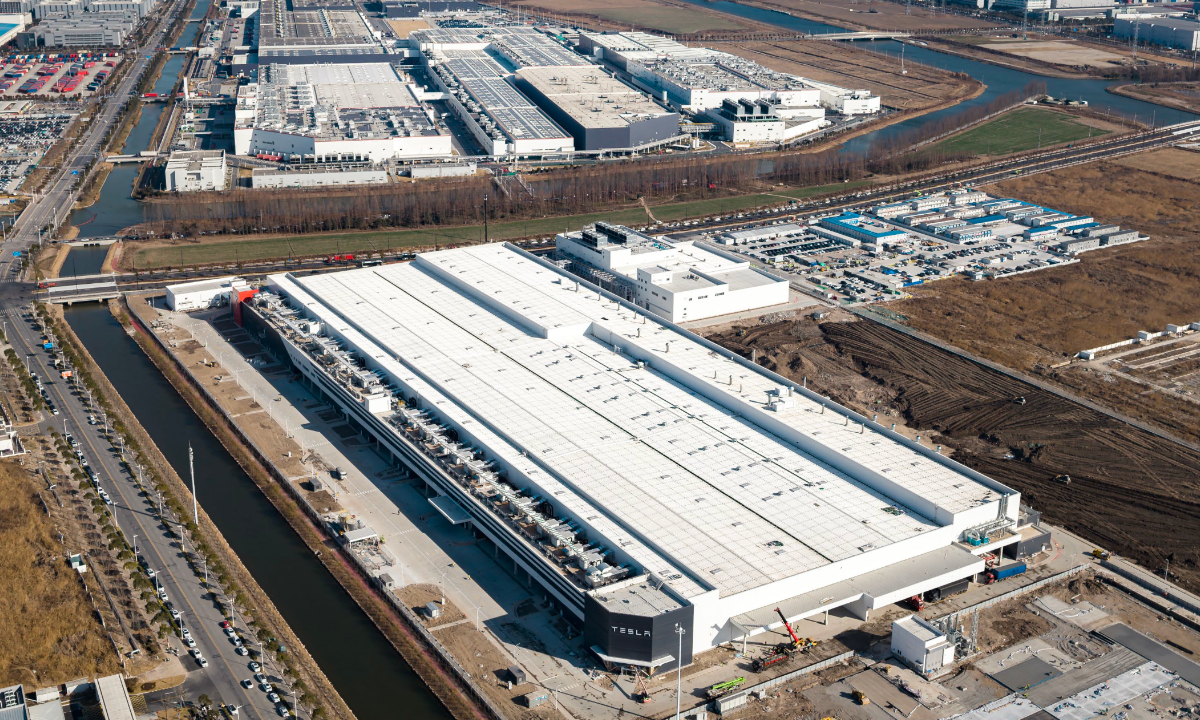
(1131, 491)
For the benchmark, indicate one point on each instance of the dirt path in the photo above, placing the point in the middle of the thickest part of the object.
(112, 257)
(59, 260)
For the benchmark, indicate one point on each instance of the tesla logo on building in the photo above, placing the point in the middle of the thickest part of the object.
(630, 631)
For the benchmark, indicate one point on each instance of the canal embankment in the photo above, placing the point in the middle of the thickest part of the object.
(245, 442)
(227, 566)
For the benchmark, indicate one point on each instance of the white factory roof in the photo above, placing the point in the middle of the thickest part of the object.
(664, 456)
(592, 97)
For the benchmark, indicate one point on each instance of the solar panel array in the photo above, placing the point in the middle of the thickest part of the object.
(664, 465)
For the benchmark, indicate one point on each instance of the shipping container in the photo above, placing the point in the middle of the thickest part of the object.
(1005, 572)
(948, 590)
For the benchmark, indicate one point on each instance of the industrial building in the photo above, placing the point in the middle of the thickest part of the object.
(194, 170)
(322, 175)
(760, 121)
(677, 280)
(600, 112)
(350, 111)
(477, 88)
(92, 30)
(699, 80)
(640, 475)
(1169, 32)
(921, 645)
(204, 294)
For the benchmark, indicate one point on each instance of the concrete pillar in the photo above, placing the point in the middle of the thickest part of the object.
(826, 617)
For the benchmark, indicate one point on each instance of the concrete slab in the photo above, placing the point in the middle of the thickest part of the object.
(1026, 674)
(1082, 614)
(1116, 662)
(1153, 650)
(883, 693)
(1100, 698)
(1010, 707)
(1034, 647)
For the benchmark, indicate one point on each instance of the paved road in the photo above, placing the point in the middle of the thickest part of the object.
(136, 516)
(50, 207)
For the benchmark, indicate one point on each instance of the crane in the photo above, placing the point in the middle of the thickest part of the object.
(784, 650)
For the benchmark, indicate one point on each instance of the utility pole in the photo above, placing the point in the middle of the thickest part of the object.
(485, 218)
(192, 470)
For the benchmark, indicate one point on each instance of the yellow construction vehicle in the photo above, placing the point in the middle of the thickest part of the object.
(861, 698)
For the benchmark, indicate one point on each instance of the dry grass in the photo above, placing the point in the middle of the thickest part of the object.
(874, 15)
(1109, 295)
(922, 88)
(653, 15)
(50, 632)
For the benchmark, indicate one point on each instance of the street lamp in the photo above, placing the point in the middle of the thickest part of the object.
(679, 671)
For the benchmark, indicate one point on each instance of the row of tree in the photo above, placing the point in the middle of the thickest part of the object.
(570, 191)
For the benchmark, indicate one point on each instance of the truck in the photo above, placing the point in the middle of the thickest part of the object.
(47, 345)
(724, 688)
(1002, 573)
(785, 650)
(334, 259)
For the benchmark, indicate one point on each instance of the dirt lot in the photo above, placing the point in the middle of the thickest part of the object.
(52, 634)
(1057, 52)
(864, 14)
(672, 18)
(1184, 95)
(403, 27)
(842, 64)
(1130, 491)
(1036, 320)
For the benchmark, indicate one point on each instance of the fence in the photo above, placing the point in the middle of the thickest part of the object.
(1142, 336)
(1023, 590)
(460, 673)
(737, 700)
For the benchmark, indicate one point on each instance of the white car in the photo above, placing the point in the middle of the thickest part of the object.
(260, 678)
(282, 710)
(241, 650)
(273, 697)
(266, 687)
(175, 614)
(187, 640)
(230, 632)
(255, 667)
(247, 683)
(202, 661)
(195, 653)
(162, 594)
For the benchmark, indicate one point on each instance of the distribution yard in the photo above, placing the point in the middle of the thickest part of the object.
(56, 75)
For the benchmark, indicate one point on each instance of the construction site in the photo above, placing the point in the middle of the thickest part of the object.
(1125, 488)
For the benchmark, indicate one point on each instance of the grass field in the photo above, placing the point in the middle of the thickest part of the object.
(50, 634)
(1021, 129)
(225, 250)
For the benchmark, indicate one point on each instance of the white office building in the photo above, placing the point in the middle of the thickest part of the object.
(195, 170)
(679, 281)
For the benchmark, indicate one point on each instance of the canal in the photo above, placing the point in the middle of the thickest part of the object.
(366, 670)
(999, 80)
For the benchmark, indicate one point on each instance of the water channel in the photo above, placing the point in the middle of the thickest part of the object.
(366, 670)
(999, 80)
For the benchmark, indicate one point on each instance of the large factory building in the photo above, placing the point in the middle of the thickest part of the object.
(645, 478)
(601, 112)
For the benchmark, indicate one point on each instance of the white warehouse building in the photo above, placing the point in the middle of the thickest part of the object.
(641, 475)
(678, 280)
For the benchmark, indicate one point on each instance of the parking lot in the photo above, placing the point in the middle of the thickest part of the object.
(72, 75)
(26, 138)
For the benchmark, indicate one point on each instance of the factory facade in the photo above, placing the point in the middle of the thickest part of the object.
(677, 280)
(641, 475)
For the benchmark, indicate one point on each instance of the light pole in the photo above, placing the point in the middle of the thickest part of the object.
(679, 671)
